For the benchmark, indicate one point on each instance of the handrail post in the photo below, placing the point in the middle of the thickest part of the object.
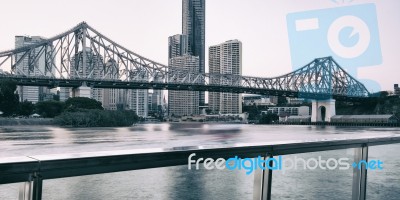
(32, 189)
(263, 181)
(37, 186)
(25, 191)
(360, 173)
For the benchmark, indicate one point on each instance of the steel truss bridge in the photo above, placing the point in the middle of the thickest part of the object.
(60, 62)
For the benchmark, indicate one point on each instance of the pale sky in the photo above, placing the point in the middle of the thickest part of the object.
(143, 26)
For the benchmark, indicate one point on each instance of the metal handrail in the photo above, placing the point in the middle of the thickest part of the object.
(42, 167)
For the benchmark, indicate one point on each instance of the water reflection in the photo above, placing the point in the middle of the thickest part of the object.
(314, 184)
(384, 184)
(51, 140)
(137, 128)
(185, 183)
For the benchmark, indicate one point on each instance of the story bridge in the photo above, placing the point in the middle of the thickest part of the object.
(83, 57)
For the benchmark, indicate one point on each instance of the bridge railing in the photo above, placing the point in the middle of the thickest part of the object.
(32, 170)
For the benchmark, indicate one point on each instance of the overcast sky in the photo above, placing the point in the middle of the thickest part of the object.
(143, 26)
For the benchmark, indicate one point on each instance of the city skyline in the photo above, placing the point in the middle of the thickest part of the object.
(266, 51)
(199, 99)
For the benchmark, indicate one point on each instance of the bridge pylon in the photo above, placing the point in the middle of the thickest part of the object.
(323, 110)
(82, 91)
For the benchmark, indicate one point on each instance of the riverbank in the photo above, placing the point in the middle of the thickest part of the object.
(50, 121)
(339, 124)
(26, 122)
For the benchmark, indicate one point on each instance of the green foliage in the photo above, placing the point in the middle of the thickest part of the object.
(268, 118)
(282, 101)
(381, 94)
(82, 103)
(254, 111)
(97, 118)
(26, 108)
(49, 109)
(389, 106)
(56, 97)
(8, 98)
(382, 104)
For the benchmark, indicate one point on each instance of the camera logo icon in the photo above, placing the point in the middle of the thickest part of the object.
(359, 28)
(349, 34)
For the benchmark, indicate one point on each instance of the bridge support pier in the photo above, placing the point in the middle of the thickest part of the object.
(82, 91)
(323, 110)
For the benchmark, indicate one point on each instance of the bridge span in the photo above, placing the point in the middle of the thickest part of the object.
(83, 57)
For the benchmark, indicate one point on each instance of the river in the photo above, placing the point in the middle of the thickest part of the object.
(180, 183)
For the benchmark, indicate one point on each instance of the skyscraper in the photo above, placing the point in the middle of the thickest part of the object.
(113, 99)
(214, 58)
(182, 103)
(138, 102)
(64, 93)
(138, 98)
(193, 25)
(93, 68)
(155, 101)
(225, 58)
(177, 45)
(31, 66)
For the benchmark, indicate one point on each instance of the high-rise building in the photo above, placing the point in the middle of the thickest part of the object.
(113, 99)
(225, 58)
(183, 103)
(93, 69)
(32, 66)
(177, 45)
(214, 59)
(150, 102)
(193, 25)
(138, 102)
(64, 93)
(155, 102)
(138, 98)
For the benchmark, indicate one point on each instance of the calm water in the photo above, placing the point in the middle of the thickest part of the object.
(180, 183)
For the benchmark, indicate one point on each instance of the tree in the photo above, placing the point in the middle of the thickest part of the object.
(8, 99)
(282, 101)
(77, 103)
(253, 111)
(268, 118)
(56, 97)
(97, 118)
(381, 94)
(49, 109)
(26, 108)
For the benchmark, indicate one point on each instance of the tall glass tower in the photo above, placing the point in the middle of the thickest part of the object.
(193, 25)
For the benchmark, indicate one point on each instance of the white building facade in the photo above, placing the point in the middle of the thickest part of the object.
(32, 66)
(184, 103)
(225, 58)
